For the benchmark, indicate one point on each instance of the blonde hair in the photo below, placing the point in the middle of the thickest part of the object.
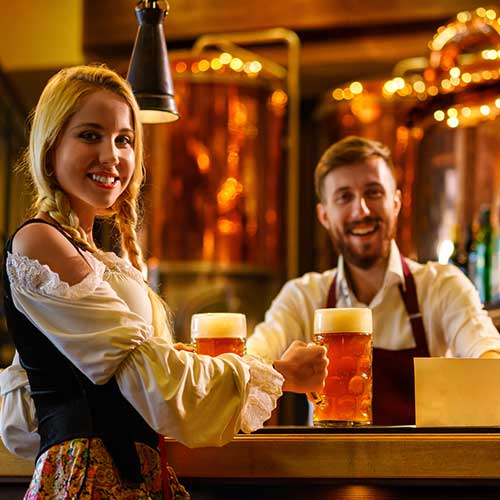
(348, 151)
(59, 101)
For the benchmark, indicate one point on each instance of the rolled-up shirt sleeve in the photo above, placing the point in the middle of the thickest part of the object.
(459, 314)
(198, 400)
(290, 317)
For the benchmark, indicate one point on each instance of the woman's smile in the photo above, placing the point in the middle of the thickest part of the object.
(104, 180)
(94, 158)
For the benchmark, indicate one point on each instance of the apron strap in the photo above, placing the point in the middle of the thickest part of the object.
(409, 296)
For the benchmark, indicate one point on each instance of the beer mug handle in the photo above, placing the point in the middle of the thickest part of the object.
(315, 398)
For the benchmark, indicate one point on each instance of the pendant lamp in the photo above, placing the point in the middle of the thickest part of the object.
(149, 70)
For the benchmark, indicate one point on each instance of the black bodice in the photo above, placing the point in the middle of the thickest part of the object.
(68, 404)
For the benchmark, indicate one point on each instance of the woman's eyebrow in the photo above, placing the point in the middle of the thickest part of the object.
(99, 127)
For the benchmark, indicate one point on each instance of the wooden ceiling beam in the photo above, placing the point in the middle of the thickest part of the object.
(113, 22)
(341, 40)
(323, 63)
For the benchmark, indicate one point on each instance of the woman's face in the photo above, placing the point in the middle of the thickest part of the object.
(94, 159)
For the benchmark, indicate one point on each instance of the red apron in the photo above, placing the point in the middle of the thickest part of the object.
(393, 378)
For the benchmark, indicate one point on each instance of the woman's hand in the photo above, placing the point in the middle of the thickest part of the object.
(304, 367)
(180, 346)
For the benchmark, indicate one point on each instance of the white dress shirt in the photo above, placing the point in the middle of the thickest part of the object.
(103, 325)
(454, 319)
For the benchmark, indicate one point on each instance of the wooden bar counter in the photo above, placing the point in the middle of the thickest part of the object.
(372, 463)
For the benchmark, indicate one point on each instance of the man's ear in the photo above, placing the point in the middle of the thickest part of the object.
(322, 215)
(397, 201)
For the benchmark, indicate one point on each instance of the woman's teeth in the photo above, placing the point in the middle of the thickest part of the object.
(102, 179)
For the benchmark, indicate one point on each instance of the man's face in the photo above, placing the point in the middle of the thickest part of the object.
(359, 209)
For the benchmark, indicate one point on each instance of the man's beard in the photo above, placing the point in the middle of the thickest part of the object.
(360, 259)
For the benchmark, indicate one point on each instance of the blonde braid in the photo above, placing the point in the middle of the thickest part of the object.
(60, 99)
(126, 219)
(59, 209)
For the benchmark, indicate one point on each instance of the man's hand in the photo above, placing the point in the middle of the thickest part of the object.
(304, 367)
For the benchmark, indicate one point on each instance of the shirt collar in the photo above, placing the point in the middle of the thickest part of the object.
(393, 276)
(394, 273)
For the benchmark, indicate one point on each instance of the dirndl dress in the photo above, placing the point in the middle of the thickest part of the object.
(83, 469)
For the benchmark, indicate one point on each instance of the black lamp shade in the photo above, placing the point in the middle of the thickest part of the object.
(149, 70)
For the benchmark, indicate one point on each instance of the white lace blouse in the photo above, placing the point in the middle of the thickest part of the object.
(104, 326)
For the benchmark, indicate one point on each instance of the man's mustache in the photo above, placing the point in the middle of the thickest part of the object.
(365, 221)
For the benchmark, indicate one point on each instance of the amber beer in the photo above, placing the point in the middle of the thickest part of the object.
(347, 396)
(217, 333)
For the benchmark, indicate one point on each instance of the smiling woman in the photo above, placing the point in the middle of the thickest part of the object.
(100, 366)
(94, 158)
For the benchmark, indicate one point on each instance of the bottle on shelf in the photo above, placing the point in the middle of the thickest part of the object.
(495, 259)
(470, 249)
(482, 278)
(459, 256)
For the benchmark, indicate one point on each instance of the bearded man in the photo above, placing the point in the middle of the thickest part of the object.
(418, 310)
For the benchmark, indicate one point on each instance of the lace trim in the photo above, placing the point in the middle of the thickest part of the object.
(29, 274)
(264, 390)
(116, 264)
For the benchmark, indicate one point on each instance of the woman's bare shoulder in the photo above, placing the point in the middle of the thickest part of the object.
(47, 245)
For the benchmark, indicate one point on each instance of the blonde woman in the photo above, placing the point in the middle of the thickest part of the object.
(104, 375)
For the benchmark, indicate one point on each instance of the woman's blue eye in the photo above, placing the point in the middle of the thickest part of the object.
(89, 136)
(124, 139)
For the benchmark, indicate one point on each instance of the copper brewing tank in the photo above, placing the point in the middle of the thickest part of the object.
(214, 191)
(456, 147)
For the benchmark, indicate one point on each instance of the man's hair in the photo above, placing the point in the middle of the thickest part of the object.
(351, 150)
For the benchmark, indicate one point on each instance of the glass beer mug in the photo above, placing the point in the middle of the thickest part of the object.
(217, 333)
(347, 397)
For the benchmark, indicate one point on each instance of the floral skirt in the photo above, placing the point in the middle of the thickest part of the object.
(83, 469)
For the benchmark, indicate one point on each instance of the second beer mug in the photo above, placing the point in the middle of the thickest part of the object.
(217, 333)
(347, 396)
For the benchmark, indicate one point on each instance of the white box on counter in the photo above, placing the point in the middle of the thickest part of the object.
(453, 392)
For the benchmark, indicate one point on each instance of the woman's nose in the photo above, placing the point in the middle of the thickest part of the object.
(108, 153)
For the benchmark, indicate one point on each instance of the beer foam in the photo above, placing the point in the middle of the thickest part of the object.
(218, 325)
(353, 319)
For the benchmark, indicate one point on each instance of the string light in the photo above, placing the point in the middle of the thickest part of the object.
(465, 73)
(220, 64)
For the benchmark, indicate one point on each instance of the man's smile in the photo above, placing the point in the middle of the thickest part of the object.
(362, 228)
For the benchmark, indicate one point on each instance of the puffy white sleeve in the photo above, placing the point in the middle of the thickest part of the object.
(87, 322)
(18, 423)
(197, 400)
